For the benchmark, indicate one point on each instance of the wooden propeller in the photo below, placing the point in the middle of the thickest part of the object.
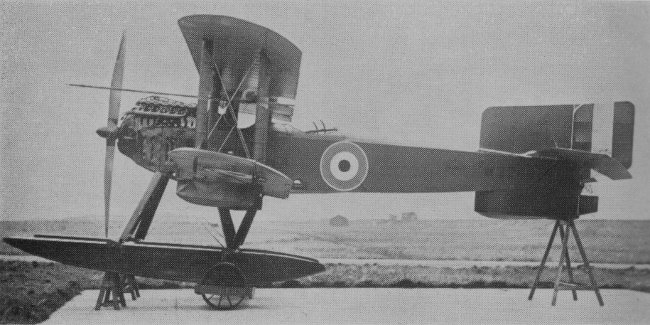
(111, 127)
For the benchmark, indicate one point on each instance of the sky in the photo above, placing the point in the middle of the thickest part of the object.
(418, 73)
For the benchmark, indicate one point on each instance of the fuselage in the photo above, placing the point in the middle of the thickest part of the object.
(322, 162)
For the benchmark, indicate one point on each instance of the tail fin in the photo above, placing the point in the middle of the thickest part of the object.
(623, 133)
(522, 129)
(587, 136)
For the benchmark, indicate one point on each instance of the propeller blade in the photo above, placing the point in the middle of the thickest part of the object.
(108, 180)
(116, 82)
(113, 114)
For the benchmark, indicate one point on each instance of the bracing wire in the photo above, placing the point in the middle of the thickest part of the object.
(230, 99)
(226, 139)
(211, 233)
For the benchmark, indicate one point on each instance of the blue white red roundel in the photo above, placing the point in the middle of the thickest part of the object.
(344, 166)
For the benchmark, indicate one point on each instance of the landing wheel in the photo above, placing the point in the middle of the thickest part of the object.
(223, 287)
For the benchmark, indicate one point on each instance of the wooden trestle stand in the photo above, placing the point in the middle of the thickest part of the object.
(564, 226)
(116, 284)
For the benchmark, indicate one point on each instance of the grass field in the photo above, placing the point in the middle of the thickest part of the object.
(488, 240)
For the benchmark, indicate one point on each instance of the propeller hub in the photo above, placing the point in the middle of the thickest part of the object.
(108, 132)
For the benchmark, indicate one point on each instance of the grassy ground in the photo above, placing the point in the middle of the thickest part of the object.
(31, 291)
(373, 275)
(606, 241)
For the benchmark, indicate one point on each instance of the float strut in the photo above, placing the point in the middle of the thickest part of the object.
(234, 239)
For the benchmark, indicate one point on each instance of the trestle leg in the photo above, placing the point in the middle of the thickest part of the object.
(560, 267)
(568, 263)
(587, 267)
(113, 288)
(111, 284)
(541, 266)
(566, 228)
(131, 286)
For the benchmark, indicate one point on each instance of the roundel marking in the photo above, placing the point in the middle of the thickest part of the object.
(344, 166)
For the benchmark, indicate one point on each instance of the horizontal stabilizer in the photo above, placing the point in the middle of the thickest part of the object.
(601, 163)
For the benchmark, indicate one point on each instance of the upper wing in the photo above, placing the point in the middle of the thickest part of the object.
(236, 45)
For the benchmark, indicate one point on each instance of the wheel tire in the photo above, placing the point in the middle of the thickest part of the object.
(229, 276)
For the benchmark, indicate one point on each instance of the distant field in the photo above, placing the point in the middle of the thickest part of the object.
(606, 241)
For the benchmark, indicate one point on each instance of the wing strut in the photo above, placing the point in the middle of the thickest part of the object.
(263, 111)
(205, 90)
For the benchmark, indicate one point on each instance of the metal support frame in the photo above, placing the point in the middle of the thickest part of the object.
(566, 227)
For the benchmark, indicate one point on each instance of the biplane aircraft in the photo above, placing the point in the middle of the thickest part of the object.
(533, 162)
